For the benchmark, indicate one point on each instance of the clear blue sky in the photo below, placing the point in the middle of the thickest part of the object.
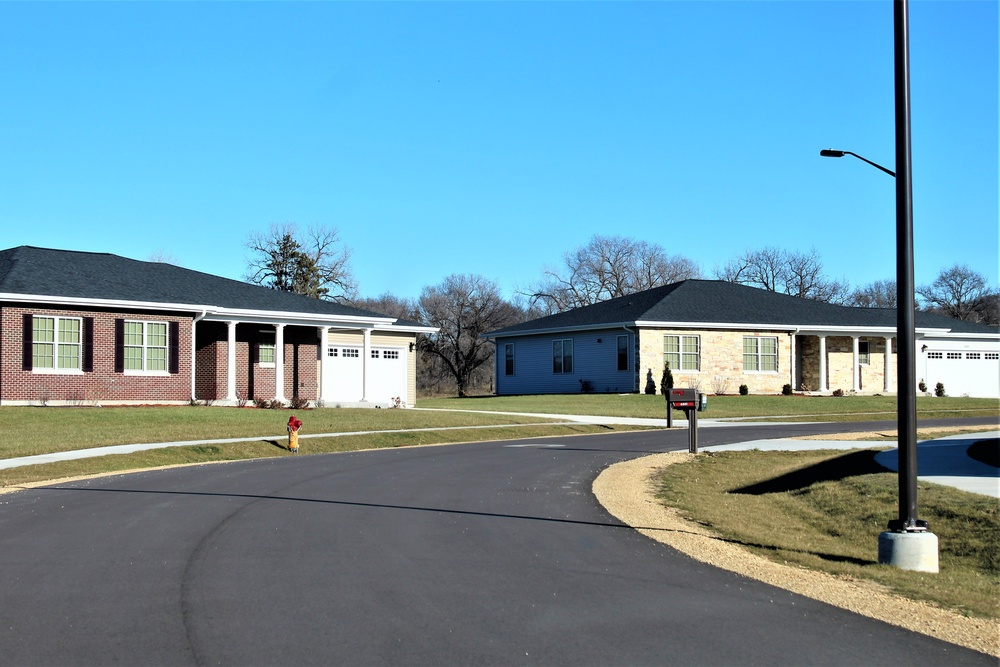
(491, 138)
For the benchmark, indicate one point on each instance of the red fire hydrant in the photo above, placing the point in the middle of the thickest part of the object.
(294, 424)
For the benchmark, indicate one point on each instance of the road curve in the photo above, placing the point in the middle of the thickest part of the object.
(478, 554)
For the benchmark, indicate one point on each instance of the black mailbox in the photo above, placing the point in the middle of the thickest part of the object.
(682, 398)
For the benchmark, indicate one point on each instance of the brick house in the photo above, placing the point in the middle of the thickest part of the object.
(717, 336)
(96, 328)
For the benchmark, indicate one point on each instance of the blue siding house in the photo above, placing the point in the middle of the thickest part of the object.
(717, 336)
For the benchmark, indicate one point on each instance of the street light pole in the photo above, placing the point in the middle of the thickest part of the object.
(907, 544)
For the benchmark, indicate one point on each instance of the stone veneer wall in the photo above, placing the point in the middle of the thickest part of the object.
(721, 361)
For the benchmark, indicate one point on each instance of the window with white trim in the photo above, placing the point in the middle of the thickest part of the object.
(993, 356)
(864, 353)
(56, 343)
(760, 353)
(954, 355)
(683, 353)
(935, 355)
(145, 346)
(266, 349)
(972, 355)
(562, 356)
(351, 352)
(390, 354)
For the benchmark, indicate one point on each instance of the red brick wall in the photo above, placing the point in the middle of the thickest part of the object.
(103, 384)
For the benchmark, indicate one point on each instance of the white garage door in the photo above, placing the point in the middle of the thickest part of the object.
(344, 375)
(963, 372)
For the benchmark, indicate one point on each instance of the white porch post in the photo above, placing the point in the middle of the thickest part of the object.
(822, 363)
(856, 363)
(888, 364)
(279, 362)
(231, 363)
(791, 360)
(324, 342)
(366, 353)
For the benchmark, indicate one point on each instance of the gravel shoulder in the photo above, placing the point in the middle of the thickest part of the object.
(626, 490)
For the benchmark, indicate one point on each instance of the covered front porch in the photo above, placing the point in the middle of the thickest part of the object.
(826, 361)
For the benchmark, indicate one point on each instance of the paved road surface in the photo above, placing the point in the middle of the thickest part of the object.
(481, 554)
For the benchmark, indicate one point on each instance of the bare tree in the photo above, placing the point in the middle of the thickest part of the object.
(958, 292)
(463, 307)
(605, 268)
(163, 257)
(775, 270)
(391, 305)
(878, 294)
(315, 263)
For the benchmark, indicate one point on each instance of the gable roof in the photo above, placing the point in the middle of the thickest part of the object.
(721, 304)
(65, 276)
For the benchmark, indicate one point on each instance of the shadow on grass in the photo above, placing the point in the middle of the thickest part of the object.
(986, 451)
(848, 465)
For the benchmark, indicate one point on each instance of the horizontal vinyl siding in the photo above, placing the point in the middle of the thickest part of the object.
(596, 363)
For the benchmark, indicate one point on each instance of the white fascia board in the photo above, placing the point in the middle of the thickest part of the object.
(811, 329)
(945, 333)
(551, 330)
(219, 314)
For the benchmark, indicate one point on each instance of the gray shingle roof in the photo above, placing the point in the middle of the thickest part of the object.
(31, 271)
(718, 302)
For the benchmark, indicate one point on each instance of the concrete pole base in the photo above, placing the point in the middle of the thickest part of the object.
(916, 551)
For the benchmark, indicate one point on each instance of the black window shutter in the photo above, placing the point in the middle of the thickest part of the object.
(88, 344)
(27, 340)
(119, 346)
(175, 348)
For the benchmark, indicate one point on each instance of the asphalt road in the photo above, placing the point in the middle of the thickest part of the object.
(480, 554)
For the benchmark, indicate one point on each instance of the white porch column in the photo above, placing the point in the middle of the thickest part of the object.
(822, 363)
(888, 364)
(324, 342)
(231, 363)
(366, 353)
(856, 363)
(279, 362)
(791, 360)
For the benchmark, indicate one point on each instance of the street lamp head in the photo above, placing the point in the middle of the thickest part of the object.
(828, 152)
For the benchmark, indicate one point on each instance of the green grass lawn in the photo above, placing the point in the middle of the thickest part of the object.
(817, 408)
(824, 510)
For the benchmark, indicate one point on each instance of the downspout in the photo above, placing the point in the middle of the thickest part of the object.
(194, 324)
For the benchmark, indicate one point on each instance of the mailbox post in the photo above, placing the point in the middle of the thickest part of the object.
(690, 402)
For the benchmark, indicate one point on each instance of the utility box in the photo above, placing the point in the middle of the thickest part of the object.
(702, 402)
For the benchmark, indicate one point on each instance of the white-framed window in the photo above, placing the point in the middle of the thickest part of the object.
(351, 352)
(145, 346)
(56, 343)
(864, 353)
(508, 359)
(954, 355)
(935, 355)
(374, 354)
(973, 355)
(623, 352)
(760, 353)
(992, 355)
(683, 353)
(266, 349)
(390, 354)
(562, 355)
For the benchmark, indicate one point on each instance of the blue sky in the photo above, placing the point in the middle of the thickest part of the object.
(491, 138)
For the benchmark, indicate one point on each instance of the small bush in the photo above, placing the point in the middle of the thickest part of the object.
(744, 390)
(586, 387)
(261, 403)
(939, 389)
(838, 392)
(650, 384)
(667, 381)
(299, 403)
(922, 386)
(786, 390)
